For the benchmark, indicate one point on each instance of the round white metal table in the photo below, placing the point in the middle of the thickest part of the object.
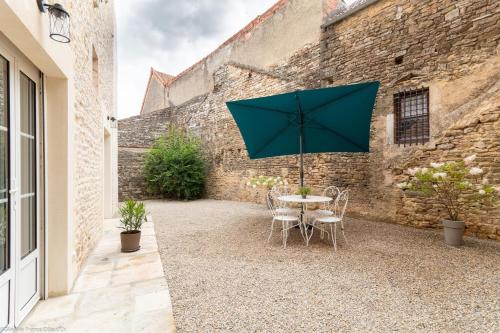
(310, 199)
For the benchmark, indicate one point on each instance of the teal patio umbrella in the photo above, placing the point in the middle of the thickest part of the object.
(335, 119)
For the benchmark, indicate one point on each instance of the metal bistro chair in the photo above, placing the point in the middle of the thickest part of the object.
(340, 206)
(281, 213)
(329, 207)
(279, 190)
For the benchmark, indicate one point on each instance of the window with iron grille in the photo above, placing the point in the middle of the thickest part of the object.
(411, 116)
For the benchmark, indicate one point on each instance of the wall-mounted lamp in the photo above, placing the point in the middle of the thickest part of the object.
(113, 121)
(58, 20)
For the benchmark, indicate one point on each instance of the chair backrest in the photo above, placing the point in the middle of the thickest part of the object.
(282, 189)
(341, 204)
(272, 202)
(332, 192)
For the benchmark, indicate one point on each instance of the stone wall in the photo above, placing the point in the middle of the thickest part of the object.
(449, 46)
(207, 117)
(303, 66)
(478, 132)
(92, 34)
(135, 136)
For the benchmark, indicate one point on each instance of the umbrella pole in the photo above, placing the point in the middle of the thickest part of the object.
(301, 138)
(301, 148)
(301, 159)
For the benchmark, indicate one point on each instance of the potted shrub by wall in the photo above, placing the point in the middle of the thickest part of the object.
(133, 214)
(455, 186)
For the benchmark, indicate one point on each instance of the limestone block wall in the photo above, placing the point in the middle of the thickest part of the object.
(92, 43)
(303, 66)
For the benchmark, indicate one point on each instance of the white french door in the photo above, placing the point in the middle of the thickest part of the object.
(19, 189)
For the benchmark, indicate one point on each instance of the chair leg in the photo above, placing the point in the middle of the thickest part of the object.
(343, 234)
(331, 233)
(284, 231)
(333, 230)
(271, 233)
(335, 236)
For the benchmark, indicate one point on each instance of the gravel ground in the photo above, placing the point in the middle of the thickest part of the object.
(223, 276)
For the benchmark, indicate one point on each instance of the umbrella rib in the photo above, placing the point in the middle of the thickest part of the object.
(343, 137)
(277, 135)
(261, 108)
(336, 99)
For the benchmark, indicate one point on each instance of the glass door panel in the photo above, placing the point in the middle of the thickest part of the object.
(28, 165)
(4, 165)
(6, 272)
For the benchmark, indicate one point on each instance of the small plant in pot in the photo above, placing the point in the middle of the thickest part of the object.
(304, 191)
(133, 214)
(455, 186)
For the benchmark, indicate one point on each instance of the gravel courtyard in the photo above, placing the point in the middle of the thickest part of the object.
(223, 276)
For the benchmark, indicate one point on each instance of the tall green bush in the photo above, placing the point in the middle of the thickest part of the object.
(174, 166)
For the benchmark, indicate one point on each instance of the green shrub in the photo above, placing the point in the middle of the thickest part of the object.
(175, 167)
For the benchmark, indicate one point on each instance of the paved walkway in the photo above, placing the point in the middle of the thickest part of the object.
(115, 292)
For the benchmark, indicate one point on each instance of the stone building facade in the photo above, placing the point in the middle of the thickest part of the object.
(155, 97)
(449, 47)
(95, 177)
(260, 44)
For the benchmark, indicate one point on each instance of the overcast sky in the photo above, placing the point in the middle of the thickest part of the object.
(171, 35)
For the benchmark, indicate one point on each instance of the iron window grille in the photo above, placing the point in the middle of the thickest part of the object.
(411, 116)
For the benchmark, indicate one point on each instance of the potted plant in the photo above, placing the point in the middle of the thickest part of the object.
(304, 191)
(133, 214)
(453, 185)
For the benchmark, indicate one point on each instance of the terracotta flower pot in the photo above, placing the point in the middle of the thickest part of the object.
(454, 232)
(130, 240)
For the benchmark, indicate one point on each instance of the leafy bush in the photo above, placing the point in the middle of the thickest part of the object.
(175, 166)
(452, 184)
(266, 181)
(133, 214)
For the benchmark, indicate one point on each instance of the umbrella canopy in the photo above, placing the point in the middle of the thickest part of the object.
(335, 119)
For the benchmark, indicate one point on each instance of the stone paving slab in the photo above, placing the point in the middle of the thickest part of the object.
(115, 292)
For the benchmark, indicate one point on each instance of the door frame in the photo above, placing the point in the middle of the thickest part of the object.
(23, 67)
(9, 275)
(19, 63)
